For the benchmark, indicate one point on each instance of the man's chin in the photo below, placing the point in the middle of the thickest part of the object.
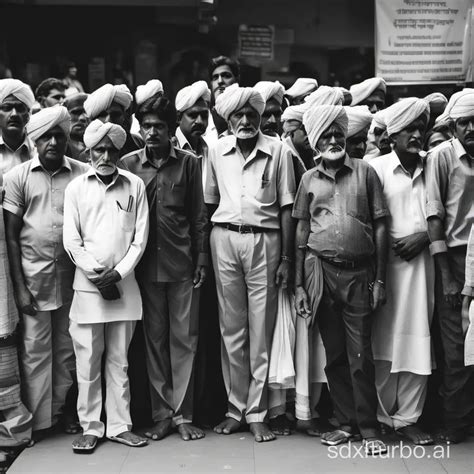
(246, 134)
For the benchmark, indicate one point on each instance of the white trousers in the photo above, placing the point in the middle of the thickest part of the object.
(91, 341)
(47, 359)
(401, 395)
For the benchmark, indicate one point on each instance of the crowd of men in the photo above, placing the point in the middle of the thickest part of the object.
(266, 243)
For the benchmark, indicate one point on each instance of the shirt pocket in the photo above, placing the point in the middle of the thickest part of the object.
(126, 220)
(175, 195)
(266, 192)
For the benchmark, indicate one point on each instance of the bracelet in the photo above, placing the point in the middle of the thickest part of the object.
(286, 258)
(438, 246)
(380, 282)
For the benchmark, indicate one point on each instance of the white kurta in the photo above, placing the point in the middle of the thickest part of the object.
(401, 331)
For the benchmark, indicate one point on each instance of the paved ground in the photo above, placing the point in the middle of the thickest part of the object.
(238, 453)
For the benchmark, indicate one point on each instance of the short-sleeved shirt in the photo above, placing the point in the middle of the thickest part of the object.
(10, 158)
(450, 190)
(468, 289)
(252, 190)
(179, 234)
(37, 196)
(341, 209)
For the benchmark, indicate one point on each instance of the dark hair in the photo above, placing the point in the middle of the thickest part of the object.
(444, 129)
(160, 106)
(225, 61)
(47, 85)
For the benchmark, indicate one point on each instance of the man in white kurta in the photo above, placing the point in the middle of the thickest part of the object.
(105, 233)
(401, 339)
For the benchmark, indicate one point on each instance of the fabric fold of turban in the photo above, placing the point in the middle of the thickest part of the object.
(403, 113)
(325, 95)
(461, 104)
(18, 89)
(97, 130)
(292, 117)
(234, 98)
(366, 88)
(302, 86)
(317, 119)
(145, 91)
(46, 119)
(102, 98)
(270, 90)
(359, 118)
(436, 98)
(188, 96)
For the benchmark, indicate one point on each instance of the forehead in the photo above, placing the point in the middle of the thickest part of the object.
(419, 122)
(333, 128)
(115, 107)
(198, 108)
(273, 105)
(362, 135)
(106, 142)
(56, 131)
(467, 118)
(246, 109)
(55, 92)
(12, 100)
(153, 119)
(75, 103)
(221, 70)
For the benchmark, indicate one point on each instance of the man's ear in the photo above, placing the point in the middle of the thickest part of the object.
(452, 127)
(178, 118)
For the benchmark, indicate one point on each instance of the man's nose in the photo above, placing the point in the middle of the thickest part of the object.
(271, 119)
(374, 108)
(199, 119)
(470, 126)
(53, 140)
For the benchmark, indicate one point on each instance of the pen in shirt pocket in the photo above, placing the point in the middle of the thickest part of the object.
(130, 203)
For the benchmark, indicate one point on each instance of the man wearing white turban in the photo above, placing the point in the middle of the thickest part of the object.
(112, 104)
(325, 95)
(105, 234)
(450, 212)
(370, 92)
(401, 341)
(154, 87)
(251, 186)
(272, 93)
(302, 87)
(360, 119)
(341, 223)
(438, 103)
(41, 270)
(16, 100)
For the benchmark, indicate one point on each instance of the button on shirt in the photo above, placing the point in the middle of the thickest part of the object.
(450, 185)
(179, 237)
(250, 190)
(37, 196)
(341, 209)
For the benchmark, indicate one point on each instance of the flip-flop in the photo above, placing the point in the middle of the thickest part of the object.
(347, 437)
(127, 442)
(85, 449)
(374, 447)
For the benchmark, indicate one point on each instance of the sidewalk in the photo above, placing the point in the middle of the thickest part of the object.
(238, 453)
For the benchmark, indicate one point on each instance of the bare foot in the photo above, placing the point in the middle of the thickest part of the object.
(415, 435)
(261, 432)
(188, 431)
(280, 425)
(228, 426)
(160, 430)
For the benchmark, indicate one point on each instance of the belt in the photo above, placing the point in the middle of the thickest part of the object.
(244, 229)
(7, 341)
(341, 263)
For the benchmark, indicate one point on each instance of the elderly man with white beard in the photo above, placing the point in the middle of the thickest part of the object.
(341, 248)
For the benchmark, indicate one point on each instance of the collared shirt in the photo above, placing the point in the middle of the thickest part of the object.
(105, 225)
(250, 190)
(10, 158)
(468, 289)
(341, 209)
(450, 185)
(179, 232)
(37, 196)
(299, 166)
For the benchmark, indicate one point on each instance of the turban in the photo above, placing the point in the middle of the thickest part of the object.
(73, 100)
(320, 118)
(234, 98)
(378, 119)
(101, 99)
(461, 104)
(364, 89)
(97, 130)
(189, 95)
(359, 118)
(302, 86)
(436, 98)
(325, 95)
(292, 117)
(270, 90)
(152, 87)
(18, 89)
(403, 113)
(46, 119)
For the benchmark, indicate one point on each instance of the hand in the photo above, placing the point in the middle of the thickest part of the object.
(200, 274)
(378, 296)
(452, 293)
(466, 303)
(25, 302)
(302, 303)
(283, 274)
(107, 277)
(410, 246)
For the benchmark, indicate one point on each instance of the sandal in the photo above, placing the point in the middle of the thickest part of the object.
(128, 442)
(345, 438)
(82, 445)
(374, 446)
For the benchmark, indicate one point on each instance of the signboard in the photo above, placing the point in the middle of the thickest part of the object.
(423, 41)
(256, 42)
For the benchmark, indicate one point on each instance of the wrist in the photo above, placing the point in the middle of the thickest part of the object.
(286, 258)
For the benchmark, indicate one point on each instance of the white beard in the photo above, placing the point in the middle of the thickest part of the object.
(244, 135)
(333, 155)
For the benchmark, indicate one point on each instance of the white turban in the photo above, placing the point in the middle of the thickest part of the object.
(97, 130)
(461, 104)
(364, 89)
(144, 92)
(46, 119)
(436, 98)
(404, 112)
(18, 89)
(101, 99)
(234, 98)
(359, 118)
(270, 90)
(292, 117)
(302, 86)
(318, 119)
(378, 119)
(325, 95)
(189, 95)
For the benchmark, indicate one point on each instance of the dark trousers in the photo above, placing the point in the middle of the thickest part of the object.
(345, 320)
(457, 387)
